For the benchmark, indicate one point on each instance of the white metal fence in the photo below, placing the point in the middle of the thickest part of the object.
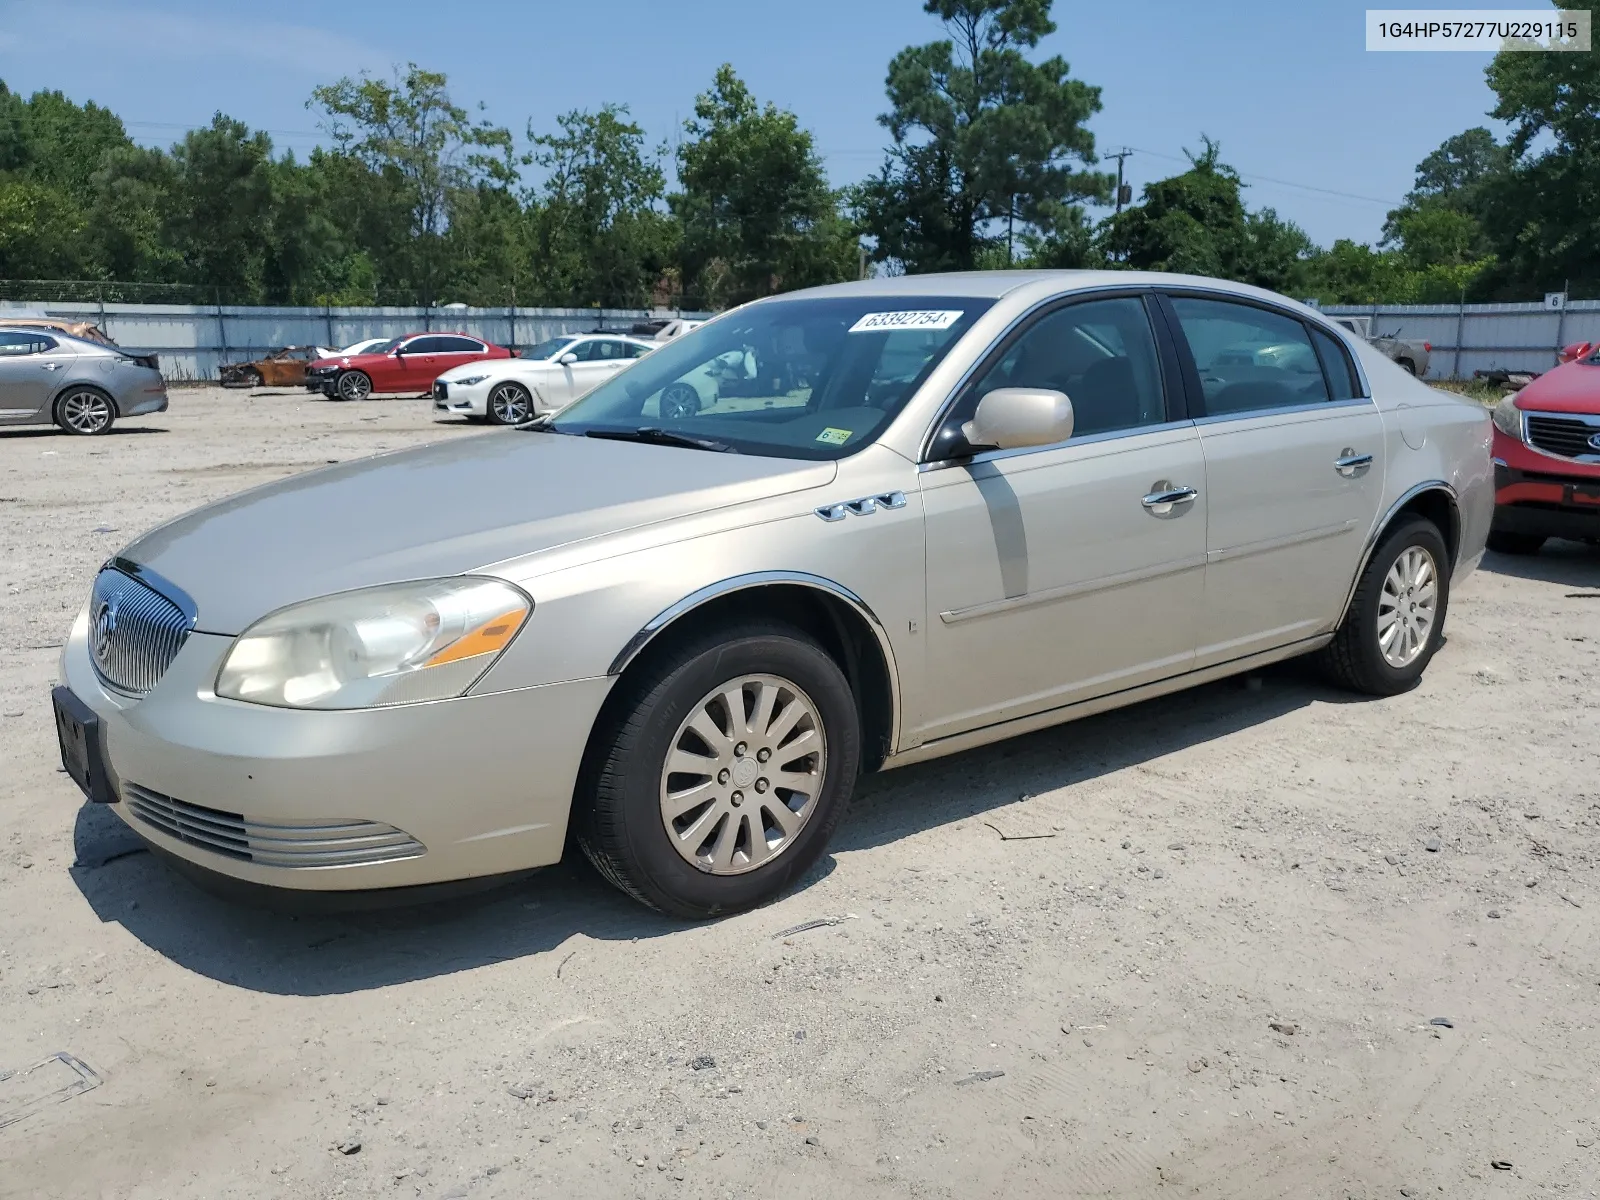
(193, 340)
(1483, 337)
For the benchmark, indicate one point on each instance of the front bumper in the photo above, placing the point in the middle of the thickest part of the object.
(429, 793)
(461, 400)
(1543, 495)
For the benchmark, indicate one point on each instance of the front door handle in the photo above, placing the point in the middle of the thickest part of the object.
(51, 366)
(1166, 498)
(1350, 464)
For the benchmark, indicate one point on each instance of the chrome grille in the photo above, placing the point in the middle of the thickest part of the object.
(1567, 436)
(135, 631)
(340, 843)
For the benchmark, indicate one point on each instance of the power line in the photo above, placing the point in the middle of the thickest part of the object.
(1304, 187)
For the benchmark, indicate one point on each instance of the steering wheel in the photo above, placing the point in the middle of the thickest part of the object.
(679, 401)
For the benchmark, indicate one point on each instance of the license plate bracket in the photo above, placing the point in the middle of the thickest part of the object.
(78, 732)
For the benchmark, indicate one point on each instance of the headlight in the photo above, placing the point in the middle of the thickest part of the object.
(468, 381)
(397, 644)
(1508, 418)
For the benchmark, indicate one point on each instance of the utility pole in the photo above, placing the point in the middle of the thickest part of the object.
(1124, 192)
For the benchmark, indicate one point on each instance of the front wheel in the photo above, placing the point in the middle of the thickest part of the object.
(717, 778)
(353, 385)
(1395, 622)
(510, 404)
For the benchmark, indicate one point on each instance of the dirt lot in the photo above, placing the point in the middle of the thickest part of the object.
(1212, 974)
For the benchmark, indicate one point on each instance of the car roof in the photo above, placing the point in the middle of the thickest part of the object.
(993, 285)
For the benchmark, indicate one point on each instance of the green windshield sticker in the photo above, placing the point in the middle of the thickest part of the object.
(834, 437)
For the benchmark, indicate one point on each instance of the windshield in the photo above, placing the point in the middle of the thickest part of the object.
(548, 349)
(804, 378)
(376, 348)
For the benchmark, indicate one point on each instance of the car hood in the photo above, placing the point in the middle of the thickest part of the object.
(1573, 387)
(438, 510)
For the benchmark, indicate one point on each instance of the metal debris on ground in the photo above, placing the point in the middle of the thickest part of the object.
(1017, 837)
(980, 1077)
(819, 923)
(1284, 1028)
(1444, 1021)
(1500, 1164)
(59, 1077)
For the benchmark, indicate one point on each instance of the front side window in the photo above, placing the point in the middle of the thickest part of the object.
(1249, 359)
(1101, 353)
(635, 350)
(813, 378)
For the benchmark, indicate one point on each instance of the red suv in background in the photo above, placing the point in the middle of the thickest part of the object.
(1547, 457)
(407, 364)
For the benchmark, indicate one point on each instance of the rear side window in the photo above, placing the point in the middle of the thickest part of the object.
(1336, 364)
(1249, 359)
(634, 350)
(15, 342)
(458, 345)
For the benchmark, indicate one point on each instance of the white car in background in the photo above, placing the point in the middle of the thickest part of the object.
(542, 379)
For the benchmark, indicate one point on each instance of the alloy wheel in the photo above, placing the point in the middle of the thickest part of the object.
(353, 385)
(743, 775)
(1408, 606)
(86, 412)
(510, 404)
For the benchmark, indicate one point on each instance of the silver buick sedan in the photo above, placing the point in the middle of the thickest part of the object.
(828, 533)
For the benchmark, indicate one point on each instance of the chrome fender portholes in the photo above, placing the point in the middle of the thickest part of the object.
(863, 507)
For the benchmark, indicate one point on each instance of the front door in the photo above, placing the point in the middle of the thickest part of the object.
(419, 364)
(32, 368)
(1294, 473)
(588, 372)
(1064, 572)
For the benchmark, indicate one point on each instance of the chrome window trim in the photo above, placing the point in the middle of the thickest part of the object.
(1289, 410)
(1090, 439)
(740, 583)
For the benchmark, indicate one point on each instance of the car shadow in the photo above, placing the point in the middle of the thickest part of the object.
(1571, 564)
(50, 431)
(316, 954)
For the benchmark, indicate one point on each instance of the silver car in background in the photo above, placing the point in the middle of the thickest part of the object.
(47, 376)
(826, 533)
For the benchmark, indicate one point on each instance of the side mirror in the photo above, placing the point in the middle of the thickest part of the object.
(399, 352)
(1015, 418)
(566, 360)
(1575, 351)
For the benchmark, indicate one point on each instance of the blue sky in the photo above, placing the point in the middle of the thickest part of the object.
(1286, 87)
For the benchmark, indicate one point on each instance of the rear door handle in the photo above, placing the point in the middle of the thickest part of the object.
(1166, 498)
(1350, 464)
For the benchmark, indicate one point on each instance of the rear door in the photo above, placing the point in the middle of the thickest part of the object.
(1294, 462)
(33, 366)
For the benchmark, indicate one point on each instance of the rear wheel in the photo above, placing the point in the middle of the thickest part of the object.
(717, 779)
(85, 411)
(1396, 618)
(1409, 365)
(1502, 542)
(510, 404)
(353, 385)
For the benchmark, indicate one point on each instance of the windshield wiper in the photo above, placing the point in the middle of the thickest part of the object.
(662, 437)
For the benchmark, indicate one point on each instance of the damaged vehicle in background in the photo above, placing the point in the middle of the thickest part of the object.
(284, 367)
(49, 377)
(1409, 354)
(404, 366)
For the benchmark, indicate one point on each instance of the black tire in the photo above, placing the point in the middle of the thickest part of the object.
(510, 403)
(352, 385)
(85, 411)
(1408, 366)
(618, 820)
(1354, 659)
(1502, 542)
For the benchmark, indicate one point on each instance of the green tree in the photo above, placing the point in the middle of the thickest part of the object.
(756, 212)
(600, 235)
(1543, 213)
(410, 129)
(220, 207)
(989, 147)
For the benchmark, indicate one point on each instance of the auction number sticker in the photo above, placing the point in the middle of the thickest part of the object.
(910, 319)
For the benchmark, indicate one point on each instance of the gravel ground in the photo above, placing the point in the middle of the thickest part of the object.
(1192, 948)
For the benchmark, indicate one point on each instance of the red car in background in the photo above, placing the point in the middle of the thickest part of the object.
(407, 364)
(1547, 457)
